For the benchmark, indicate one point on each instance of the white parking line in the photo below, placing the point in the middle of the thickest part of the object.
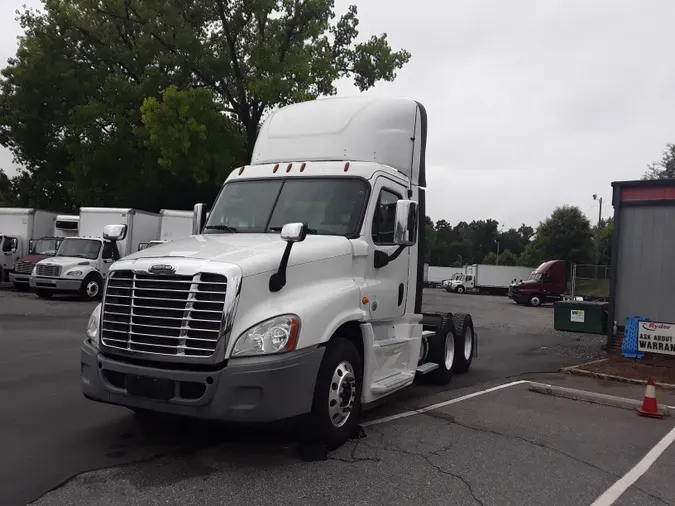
(623, 483)
(406, 414)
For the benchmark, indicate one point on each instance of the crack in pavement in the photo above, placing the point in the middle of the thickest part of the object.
(486, 430)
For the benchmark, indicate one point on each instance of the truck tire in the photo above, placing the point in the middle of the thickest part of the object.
(465, 340)
(534, 301)
(44, 294)
(460, 289)
(21, 287)
(448, 289)
(442, 351)
(337, 394)
(91, 287)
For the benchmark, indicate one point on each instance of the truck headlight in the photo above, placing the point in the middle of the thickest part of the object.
(276, 335)
(75, 274)
(94, 323)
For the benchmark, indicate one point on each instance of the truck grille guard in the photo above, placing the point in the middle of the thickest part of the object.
(182, 314)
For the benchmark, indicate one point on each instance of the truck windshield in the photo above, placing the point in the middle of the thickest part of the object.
(46, 247)
(328, 206)
(80, 248)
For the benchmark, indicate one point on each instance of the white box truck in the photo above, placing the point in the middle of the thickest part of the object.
(18, 227)
(67, 225)
(301, 294)
(81, 264)
(174, 224)
(484, 278)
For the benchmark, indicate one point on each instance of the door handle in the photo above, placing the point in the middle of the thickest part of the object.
(400, 293)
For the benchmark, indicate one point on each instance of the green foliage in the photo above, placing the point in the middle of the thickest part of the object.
(71, 100)
(505, 257)
(605, 241)
(191, 135)
(5, 189)
(664, 168)
(565, 235)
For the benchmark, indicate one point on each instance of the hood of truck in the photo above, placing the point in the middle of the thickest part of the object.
(531, 283)
(67, 261)
(33, 259)
(253, 253)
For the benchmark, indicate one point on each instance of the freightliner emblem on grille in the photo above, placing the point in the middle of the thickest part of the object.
(162, 269)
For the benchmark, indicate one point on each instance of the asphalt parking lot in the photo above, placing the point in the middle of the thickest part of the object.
(50, 433)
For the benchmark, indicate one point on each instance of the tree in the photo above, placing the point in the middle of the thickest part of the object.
(605, 240)
(70, 102)
(5, 189)
(565, 235)
(505, 258)
(664, 168)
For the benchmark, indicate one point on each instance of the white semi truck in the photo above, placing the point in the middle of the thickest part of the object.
(81, 263)
(18, 227)
(301, 294)
(484, 278)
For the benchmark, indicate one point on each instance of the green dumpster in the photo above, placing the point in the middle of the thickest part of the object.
(580, 316)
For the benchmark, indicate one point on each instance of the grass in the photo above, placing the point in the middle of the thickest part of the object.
(592, 287)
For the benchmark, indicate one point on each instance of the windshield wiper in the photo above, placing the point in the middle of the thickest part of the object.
(226, 228)
(278, 229)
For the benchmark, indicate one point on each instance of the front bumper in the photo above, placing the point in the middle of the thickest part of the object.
(19, 278)
(260, 389)
(55, 284)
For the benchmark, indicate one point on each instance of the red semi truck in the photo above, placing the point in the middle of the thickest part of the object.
(547, 283)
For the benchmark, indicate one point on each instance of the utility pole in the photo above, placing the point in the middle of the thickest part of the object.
(597, 234)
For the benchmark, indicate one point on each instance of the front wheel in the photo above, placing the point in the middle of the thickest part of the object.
(44, 294)
(90, 288)
(21, 287)
(535, 301)
(337, 395)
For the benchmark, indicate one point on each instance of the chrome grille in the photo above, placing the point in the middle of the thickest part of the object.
(24, 267)
(163, 314)
(49, 270)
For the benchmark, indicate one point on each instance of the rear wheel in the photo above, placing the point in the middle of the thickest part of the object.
(442, 351)
(465, 340)
(337, 395)
(44, 294)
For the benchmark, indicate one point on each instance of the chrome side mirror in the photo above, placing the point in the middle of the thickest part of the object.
(294, 232)
(199, 216)
(114, 232)
(405, 223)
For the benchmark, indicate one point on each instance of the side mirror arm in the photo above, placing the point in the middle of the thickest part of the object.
(278, 279)
(382, 259)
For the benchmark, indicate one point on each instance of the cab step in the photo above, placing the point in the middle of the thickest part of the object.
(427, 367)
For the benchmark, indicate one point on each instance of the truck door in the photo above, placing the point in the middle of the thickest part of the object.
(10, 246)
(387, 287)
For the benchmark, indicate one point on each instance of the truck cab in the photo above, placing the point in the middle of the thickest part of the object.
(547, 283)
(299, 295)
(80, 266)
(39, 250)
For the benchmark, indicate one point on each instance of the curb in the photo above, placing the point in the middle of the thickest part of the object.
(576, 369)
(592, 397)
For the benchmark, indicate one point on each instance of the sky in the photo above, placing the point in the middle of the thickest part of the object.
(532, 104)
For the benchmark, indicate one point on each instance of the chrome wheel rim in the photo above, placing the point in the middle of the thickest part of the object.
(341, 394)
(92, 289)
(535, 301)
(449, 350)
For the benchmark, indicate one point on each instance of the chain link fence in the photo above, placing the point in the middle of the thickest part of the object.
(590, 281)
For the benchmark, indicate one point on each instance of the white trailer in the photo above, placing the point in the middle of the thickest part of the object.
(301, 294)
(67, 225)
(175, 224)
(442, 275)
(18, 227)
(81, 264)
(494, 279)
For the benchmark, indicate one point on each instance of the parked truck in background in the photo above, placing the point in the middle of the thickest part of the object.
(18, 227)
(301, 294)
(67, 225)
(173, 224)
(484, 278)
(81, 264)
(547, 283)
(39, 250)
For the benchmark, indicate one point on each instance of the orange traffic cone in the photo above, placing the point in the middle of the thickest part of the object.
(649, 405)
